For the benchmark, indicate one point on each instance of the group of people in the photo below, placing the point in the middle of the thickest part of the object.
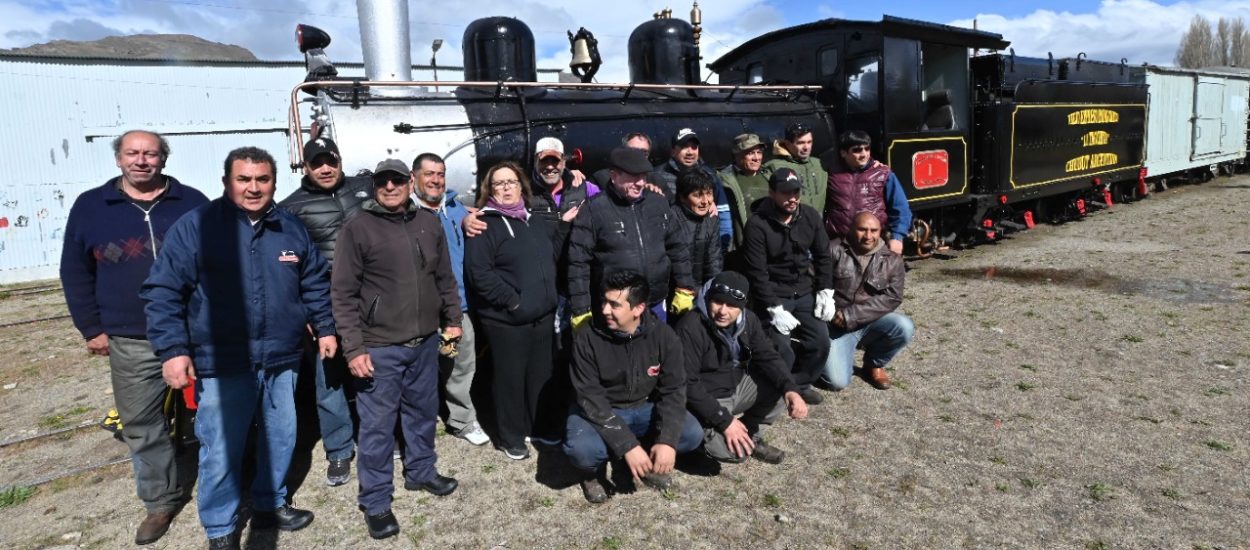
(633, 315)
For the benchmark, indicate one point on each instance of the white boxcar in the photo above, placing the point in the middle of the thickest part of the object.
(1196, 119)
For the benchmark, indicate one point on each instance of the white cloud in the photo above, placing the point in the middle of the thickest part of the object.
(1140, 31)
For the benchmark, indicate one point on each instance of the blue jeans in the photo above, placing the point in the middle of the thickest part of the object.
(881, 339)
(332, 410)
(404, 389)
(587, 451)
(228, 406)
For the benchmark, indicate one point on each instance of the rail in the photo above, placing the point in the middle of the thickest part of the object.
(295, 128)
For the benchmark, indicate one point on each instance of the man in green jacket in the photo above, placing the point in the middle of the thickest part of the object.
(744, 180)
(795, 152)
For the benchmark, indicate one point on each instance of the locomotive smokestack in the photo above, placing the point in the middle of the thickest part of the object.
(384, 39)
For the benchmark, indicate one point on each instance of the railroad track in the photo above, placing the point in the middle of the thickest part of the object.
(37, 320)
(23, 291)
(70, 472)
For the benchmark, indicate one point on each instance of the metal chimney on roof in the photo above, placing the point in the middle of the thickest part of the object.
(384, 39)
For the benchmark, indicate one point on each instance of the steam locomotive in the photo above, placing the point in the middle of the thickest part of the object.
(983, 144)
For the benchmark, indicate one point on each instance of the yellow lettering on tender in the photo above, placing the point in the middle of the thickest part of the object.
(1097, 137)
(1098, 160)
(1092, 116)
(1077, 164)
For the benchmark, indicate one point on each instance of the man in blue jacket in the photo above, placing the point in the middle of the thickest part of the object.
(112, 238)
(228, 301)
(429, 176)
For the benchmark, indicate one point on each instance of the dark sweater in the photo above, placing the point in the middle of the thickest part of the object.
(392, 282)
(511, 267)
(786, 260)
(615, 371)
(108, 252)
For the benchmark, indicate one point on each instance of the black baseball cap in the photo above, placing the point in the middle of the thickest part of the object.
(321, 146)
(683, 135)
(784, 180)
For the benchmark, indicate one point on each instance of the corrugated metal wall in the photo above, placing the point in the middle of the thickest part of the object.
(62, 115)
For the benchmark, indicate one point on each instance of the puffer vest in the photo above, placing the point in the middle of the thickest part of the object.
(853, 192)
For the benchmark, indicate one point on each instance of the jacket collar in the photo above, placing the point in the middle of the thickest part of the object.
(112, 194)
(649, 320)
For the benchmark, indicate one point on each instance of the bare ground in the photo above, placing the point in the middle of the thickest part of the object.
(1079, 386)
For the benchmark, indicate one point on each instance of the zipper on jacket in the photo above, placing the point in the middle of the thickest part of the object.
(416, 319)
(642, 247)
(147, 218)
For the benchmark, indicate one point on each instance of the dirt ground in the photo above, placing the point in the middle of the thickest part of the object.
(1077, 386)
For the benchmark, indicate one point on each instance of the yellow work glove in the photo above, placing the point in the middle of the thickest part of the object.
(580, 321)
(683, 301)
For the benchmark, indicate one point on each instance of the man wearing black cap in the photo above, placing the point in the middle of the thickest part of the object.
(629, 228)
(795, 152)
(733, 368)
(685, 157)
(392, 289)
(789, 265)
(324, 200)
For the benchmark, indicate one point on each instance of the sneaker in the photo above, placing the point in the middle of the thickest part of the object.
(520, 453)
(338, 471)
(811, 396)
(594, 491)
(382, 525)
(473, 434)
(659, 482)
(767, 453)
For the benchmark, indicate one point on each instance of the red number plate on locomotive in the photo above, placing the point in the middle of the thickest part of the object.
(930, 169)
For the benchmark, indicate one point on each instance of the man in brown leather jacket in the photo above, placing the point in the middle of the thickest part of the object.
(868, 287)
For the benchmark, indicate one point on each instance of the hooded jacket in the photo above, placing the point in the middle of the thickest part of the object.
(512, 267)
(712, 370)
(611, 233)
(324, 211)
(393, 282)
(110, 246)
(611, 370)
(866, 287)
(785, 260)
(702, 232)
(811, 171)
(236, 295)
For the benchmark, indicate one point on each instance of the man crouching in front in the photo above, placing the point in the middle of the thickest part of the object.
(629, 383)
(391, 287)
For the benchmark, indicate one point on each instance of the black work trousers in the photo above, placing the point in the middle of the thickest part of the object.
(523, 356)
(807, 346)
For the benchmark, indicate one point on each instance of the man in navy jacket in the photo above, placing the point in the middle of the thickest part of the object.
(227, 303)
(112, 238)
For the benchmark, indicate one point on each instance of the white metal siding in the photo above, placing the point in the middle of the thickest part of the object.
(1184, 131)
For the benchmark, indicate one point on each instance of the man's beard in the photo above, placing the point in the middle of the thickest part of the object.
(431, 199)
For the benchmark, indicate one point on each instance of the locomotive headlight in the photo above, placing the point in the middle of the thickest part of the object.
(309, 37)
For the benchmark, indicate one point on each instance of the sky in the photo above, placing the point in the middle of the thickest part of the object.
(1137, 30)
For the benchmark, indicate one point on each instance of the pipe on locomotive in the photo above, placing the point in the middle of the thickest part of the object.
(296, 128)
(384, 41)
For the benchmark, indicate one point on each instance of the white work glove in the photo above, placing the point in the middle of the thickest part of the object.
(825, 306)
(783, 320)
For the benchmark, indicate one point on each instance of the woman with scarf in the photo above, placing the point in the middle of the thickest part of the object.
(510, 272)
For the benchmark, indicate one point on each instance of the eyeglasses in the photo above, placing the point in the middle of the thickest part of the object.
(504, 184)
(396, 180)
(732, 292)
(859, 149)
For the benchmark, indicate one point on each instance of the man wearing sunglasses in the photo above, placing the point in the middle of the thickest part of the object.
(857, 183)
(795, 152)
(324, 200)
(732, 368)
(392, 289)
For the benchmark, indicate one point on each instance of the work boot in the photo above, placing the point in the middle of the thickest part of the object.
(811, 396)
(153, 527)
(286, 518)
(594, 491)
(228, 542)
(439, 485)
(767, 453)
(382, 525)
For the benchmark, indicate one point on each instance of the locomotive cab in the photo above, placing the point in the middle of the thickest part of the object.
(907, 83)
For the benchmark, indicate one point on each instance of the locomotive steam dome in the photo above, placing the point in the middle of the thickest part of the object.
(662, 51)
(499, 49)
